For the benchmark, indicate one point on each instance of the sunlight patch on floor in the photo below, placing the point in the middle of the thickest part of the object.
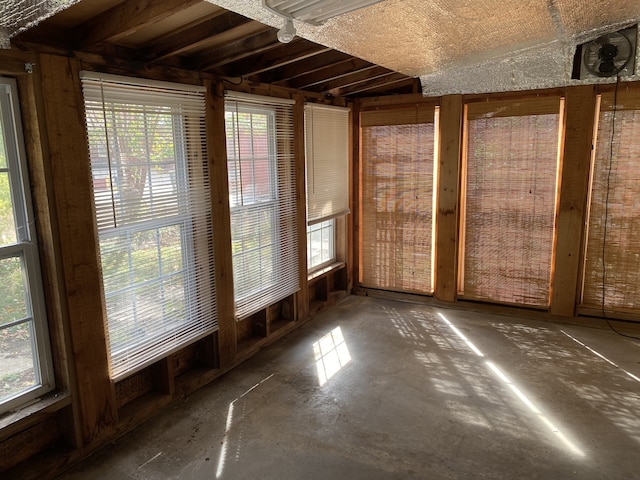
(331, 355)
(516, 390)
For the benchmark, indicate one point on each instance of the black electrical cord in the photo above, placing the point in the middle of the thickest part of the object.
(606, 211)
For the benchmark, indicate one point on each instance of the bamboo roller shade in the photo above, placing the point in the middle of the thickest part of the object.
(397, 199)
(511, 161)
(615, 202)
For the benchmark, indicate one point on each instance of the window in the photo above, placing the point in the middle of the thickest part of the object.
(327, 159)
(398, 148)
(25, 369)
(151, 193)
(509, 183)
(262, 200)
(321, 240)
(611, 281)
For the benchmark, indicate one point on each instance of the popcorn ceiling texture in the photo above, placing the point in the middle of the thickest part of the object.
(467, 46)
(19, 15)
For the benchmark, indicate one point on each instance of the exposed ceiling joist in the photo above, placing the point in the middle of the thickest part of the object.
(236, 50)
(331, 73)
(282, 55)
(373, 84)
(298, 69)
(196, 35)
(126, 18)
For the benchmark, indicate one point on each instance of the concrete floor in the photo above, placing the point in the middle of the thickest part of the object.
(408, 391)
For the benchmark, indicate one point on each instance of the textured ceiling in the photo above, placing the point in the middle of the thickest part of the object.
(453, 46)
(466, 46)
(19, 15)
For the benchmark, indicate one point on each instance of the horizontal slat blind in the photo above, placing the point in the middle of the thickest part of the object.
(614, 213)
(152, 202)
(397, 199)
(510, 172)
(327, 155)
(262, 198)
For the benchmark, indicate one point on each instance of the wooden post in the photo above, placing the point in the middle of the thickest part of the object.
(580, 105)
(36, 143)
(73, 199)
(353, 246)
(217, 151)
(448, 185)
(354, 278)
(302, 307)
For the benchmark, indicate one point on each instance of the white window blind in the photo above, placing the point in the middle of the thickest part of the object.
(611, 271)
(151, 192)
(262, 199)
(327, 155)
(509, 200)
(398, 148)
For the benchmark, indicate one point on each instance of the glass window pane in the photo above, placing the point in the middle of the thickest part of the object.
(17, 368)
(171, 249)
(7, 219)
(13, 304)
(144, 256)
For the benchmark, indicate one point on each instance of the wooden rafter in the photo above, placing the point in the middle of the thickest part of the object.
(297, 69)
(126, 18)
(198, 35)
(359, 88)
(330, 73)
(237, 50)
(287, 53)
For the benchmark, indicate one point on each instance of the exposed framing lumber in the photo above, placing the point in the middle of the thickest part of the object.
(410, 86)
(354, 78)
(198, 35)
(285, 54)
(327, 73)
(302, 297)
(69, 157)
(580, 109)
(40, 172)
(352, 220)
(448, 185)
(297, 69)
(236, 50)
(126, 18)
(14, 63)
(217, 151)
(360, 88)
(356, 199)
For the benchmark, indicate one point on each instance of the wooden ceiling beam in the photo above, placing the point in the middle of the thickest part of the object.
(236, 50)
(361, 87)
(411, 86)
(274, 58)
(355, 78)
(329, 73)
(126, 18)
(294, 70)
(198, 35)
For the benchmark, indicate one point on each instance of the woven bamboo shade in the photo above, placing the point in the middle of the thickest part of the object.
(510, 182)
(614, 213)
(397, 199)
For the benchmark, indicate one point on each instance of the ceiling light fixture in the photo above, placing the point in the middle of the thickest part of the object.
(313, 12)
(288, 32)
